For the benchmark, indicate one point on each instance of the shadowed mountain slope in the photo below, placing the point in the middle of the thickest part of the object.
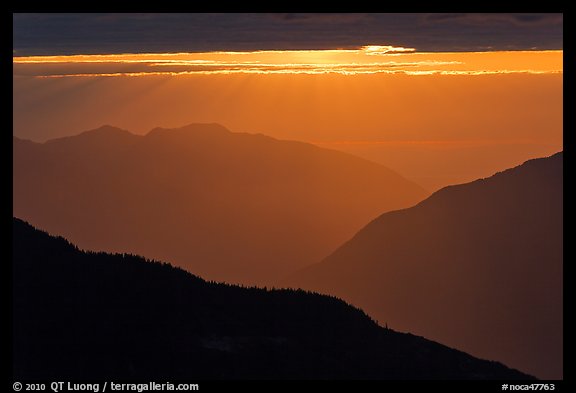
(80, 315)
(477, 266)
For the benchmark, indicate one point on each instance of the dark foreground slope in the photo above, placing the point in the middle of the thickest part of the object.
(228, 206)
(96, 315)
(477, 266)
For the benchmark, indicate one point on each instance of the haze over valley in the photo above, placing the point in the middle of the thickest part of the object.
(228, 206)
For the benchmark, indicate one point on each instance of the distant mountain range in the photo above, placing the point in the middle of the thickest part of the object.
(85, 315)
(477, 266)
(228, 206)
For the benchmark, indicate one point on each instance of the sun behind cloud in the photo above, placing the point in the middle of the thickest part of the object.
(371, 59)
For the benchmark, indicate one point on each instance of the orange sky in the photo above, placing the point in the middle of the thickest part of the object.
(437, 118)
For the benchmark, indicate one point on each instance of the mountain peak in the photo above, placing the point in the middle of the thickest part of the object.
(105, 130)
(192, 128)
(105, 135)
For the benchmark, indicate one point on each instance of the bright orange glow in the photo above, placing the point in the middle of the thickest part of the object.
(367, 60)
(446, 143)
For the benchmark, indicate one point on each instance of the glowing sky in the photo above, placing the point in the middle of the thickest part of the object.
(366, 60)
(441, 98)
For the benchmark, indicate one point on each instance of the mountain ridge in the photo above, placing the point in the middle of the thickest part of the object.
(488, 253)
(82, 315)
(194, 129)
(186, 195)
(457, 187)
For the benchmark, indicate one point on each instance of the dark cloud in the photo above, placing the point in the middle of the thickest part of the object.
(492, 19)
(321, 17)
(37, 34)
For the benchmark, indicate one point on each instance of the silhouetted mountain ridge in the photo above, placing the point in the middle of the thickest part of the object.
(195, 129)
(230, 206)
(470, 266)
(104, 137)
(81, 315)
